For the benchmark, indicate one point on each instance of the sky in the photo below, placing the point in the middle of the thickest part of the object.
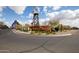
(68, 15)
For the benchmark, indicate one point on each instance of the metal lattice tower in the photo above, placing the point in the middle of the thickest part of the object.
(35, 21)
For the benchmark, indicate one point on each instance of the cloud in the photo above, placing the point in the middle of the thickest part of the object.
(48, 10)
(1, 15)
(29, 21)
(5, 22)
(66, 17)
(1, 19)
(30, 15)
(1, 8)
(43, 21)
(45, 9)
(66, 22)
(38, 8)
(75, 23)
(77, 13)
(56, 7)
(72, 23)
(52, 14)
(18, 9)
(68, 14)
(64, 14)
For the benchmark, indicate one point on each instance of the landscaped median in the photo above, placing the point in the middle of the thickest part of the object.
(64, 33)
(54, 33)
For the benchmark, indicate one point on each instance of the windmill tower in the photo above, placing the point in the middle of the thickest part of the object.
(35, 21)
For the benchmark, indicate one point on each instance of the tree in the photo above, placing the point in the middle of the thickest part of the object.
(54, 25)
(26, 27)
(74, 28)
(18, 27)
(66, 27)
(1, 23)
(45, 23)
(3, 26)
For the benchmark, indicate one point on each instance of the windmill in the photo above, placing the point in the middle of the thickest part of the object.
(35, 19)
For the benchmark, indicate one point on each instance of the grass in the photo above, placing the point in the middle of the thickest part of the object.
(42, 33)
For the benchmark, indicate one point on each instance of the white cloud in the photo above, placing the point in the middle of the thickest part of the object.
(5, 22)
(77, 13)
(72, 23)
(29, 21)
(30, 15)
(52, 14)
(66, 22)
(68, 14)
(38, 8)
(1, 20)
(1, 15)
(66, 17)
(56, 7)
(1, 8)
(18, 9)
(43, 20)
(76, 23)
(64, 14)
(45, 9)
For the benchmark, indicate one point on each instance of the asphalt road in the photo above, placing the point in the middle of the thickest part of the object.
(11, 42)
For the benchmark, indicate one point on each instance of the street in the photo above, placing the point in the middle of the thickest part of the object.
(11, 42)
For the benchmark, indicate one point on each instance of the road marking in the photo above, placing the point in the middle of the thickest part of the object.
(63, 35)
